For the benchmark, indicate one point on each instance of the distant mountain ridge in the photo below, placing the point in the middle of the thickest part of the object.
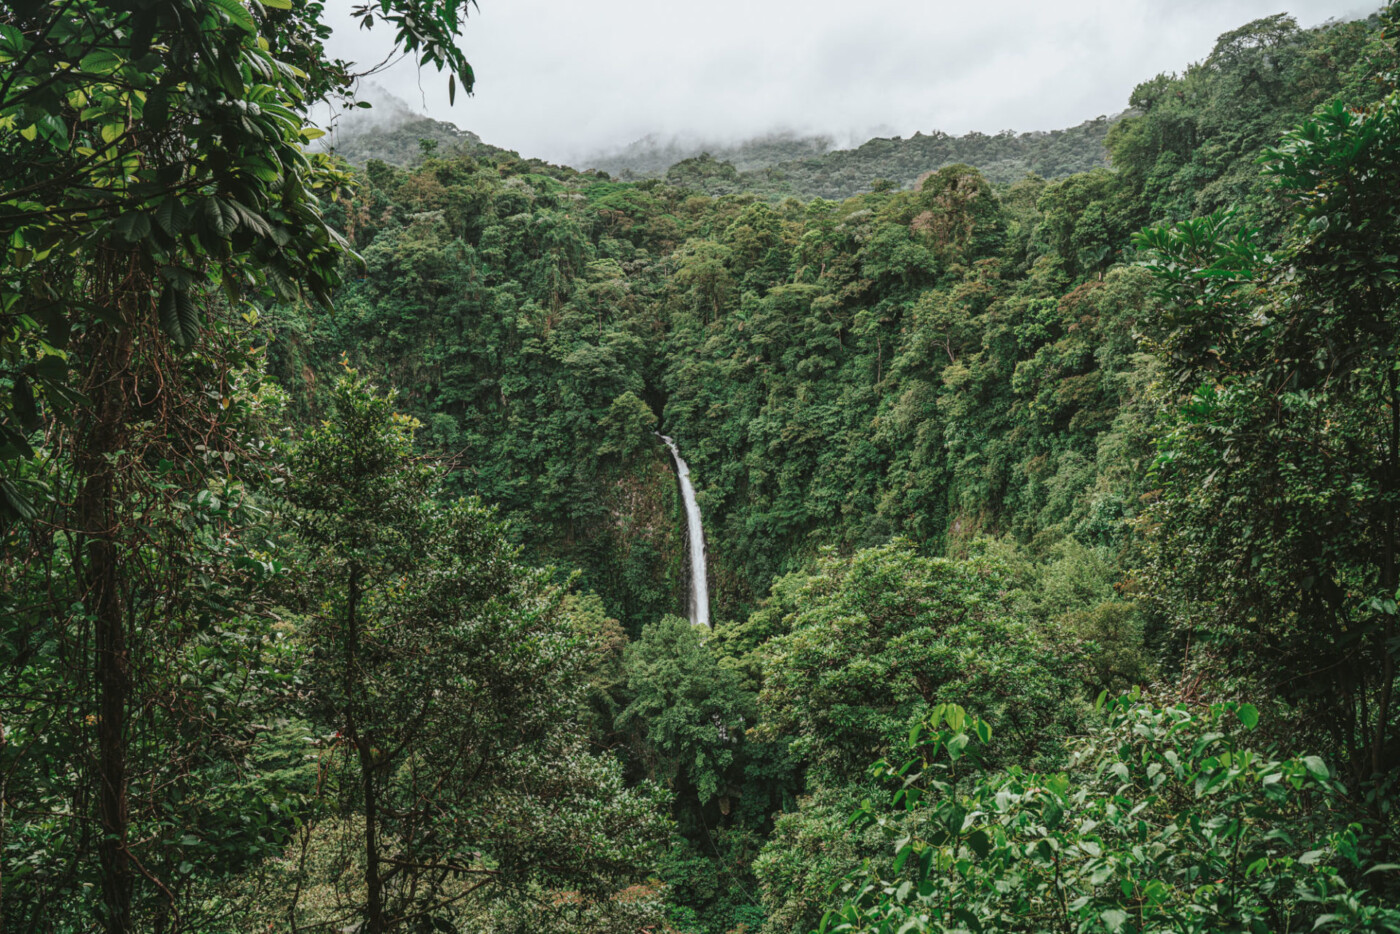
(652, 155)
(773, 166)
(1002, 158)
(398, 140)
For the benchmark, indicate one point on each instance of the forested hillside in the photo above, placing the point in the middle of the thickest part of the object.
(780, 166)
(402, 140)
(938, 364)
(651, 156)
(1005, 157)
(773, 167)
(1049, 484)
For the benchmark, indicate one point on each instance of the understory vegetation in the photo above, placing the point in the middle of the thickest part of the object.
(1051, 522)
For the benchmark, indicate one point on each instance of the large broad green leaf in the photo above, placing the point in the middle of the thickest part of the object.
(101, 62)
(251, 220)
(1316, 767)
(133, 227)
(169, 320)
(15, 501)
(237, 14)
(221, 216)
(172, 216)
(179, 316)
(187, 312)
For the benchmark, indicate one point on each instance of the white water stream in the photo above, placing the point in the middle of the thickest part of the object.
(699, 583)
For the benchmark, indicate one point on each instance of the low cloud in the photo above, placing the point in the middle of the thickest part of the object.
(558, 80)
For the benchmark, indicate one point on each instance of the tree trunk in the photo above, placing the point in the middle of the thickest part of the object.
(374, 908)
(108, 388)
(3, 783)
(1389, 582)
(375, 922)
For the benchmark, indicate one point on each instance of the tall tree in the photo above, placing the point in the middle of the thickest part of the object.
(149, 147)
(1276, 536)
(454, 683)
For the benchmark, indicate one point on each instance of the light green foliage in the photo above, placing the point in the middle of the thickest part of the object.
(703, 270)
(809, 853)
(692, 712)
(494, 310)
(628, 427)
(938, 363)
(797, 353)
(1169, 820)
(1179, 156)
(878, 639)
(1076, 592)
(869, 646)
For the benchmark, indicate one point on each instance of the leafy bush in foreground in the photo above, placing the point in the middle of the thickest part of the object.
(1167, 821)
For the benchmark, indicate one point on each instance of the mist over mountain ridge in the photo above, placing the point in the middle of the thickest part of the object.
(653, 154)
(840, 173)
(782, 163)
(390, 130)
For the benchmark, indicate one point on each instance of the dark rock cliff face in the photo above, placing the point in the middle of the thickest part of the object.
(647, 578)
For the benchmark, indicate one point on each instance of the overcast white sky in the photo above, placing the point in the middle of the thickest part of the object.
(558, 78)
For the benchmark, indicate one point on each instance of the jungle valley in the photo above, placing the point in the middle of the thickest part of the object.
(1034, 567)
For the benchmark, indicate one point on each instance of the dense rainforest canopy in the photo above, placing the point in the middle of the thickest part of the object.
(1050, 483)
(774, 166)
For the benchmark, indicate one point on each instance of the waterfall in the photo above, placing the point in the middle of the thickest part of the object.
(699, 583)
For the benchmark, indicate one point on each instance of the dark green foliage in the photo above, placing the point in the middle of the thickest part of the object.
(1274, 542)
(689, 716)
(215, 764)
(164, 143)
(445, 671)
(940, 363)
(689, 712)
(807, 167)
